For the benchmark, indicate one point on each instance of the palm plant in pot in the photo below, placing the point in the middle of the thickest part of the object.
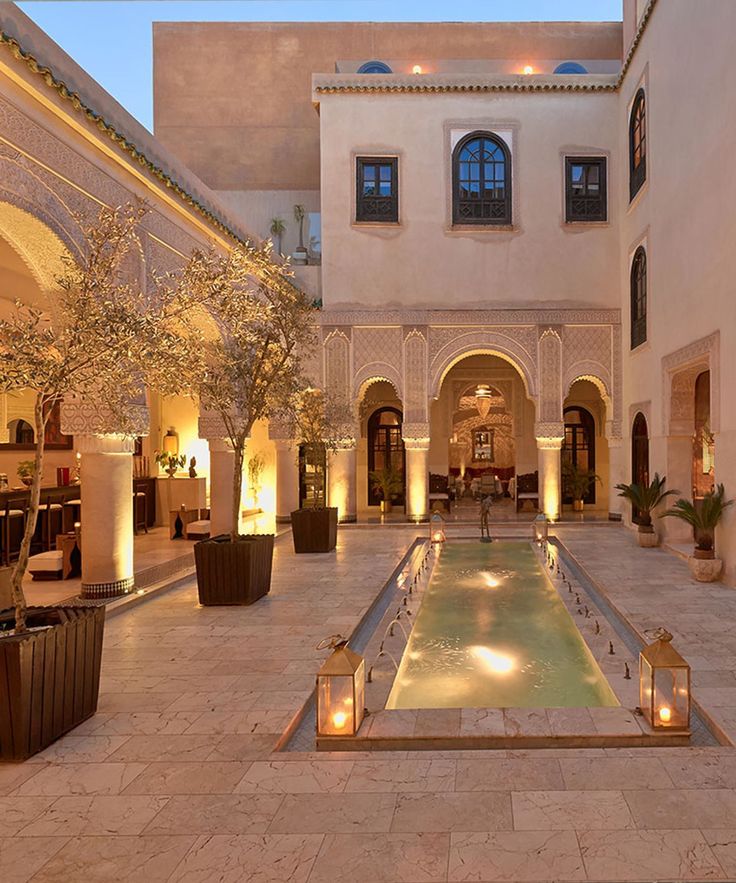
(704, 518)
(322, 424)
(99, 340)
(388, 484)
(247, 364)
(645, 498)
(577, 483)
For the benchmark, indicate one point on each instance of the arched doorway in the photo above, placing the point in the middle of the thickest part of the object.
(386, 448)
(640, 450)
(703, 442)
(578, 448)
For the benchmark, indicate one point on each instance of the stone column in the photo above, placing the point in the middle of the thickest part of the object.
(287, 479)
(341, 470)
(548, 451)
(679, 477)
(107, 514)
(222, 464)
(616, 475)
(417, 478)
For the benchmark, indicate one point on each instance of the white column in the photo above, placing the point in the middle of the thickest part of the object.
(548, 451)
(287, 479)
(107, 515)
(616, 475)
(417, 479)
(222, 463)
(341, 482)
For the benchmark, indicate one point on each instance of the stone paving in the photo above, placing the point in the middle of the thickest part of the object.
(175, 779)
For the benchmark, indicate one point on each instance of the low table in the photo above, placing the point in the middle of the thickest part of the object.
(178, 521)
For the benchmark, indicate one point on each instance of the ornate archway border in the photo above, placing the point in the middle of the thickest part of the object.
(705, 350)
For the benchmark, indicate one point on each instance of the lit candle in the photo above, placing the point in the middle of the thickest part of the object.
(339, 719)
(665, 714)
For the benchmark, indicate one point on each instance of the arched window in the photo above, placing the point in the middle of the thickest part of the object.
(481, 181)
(639, 455)
(570, 67)
(637, 144)
(638, 298)
(374, 67)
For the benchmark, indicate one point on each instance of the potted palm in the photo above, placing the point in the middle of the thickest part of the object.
(321, 424)
(577, 483)
(387, 483)
(278, 228)
(645, 498)
(704, 518)
(101, 340)
(300, 254)
(243, 370)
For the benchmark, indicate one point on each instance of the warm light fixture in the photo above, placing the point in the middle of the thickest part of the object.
(528, 69)
(170, 444)
(417, 69)
(664, 684)
(340, 689)
(437, 529)
(540, 529)
(483, 397)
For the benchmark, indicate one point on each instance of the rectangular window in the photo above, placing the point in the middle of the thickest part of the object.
(585, 189)
(377, 189)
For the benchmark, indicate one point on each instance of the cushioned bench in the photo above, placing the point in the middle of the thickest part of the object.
(46, 565)
(197, 530)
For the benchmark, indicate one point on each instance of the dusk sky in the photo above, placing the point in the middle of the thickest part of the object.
(112, 40)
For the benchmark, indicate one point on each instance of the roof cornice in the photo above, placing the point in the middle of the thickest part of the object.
(327, 84)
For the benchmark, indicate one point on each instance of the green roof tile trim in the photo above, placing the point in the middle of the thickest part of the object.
(11, 44)
(507, 87)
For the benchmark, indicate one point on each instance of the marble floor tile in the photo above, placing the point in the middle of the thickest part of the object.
(722, 842)
(295, 777)
(162, 747)
(560, 810)
(235, 747)
(112, 703)
(13, 775)
(459, 811)
(21, 857)
(241, 722)
(334, 814)
(413, 774)
(75, 816)
(603, 773)
(271, 858)
(216, 814)
(709, 808)
(115, 859)
(188, 778)
(58, 780)
(515, 856)
(17, 812)
(79, 749)
(648, 855)
(382, 858)
(708, 771)
(509, 774)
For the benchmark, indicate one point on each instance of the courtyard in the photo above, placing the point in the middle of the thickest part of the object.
(176, 777)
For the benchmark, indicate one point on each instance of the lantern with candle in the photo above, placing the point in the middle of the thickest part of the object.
(664, 684)
(340, 689)
(541, 529)
(437, 529)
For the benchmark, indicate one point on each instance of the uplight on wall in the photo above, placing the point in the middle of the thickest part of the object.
(528, 69)
(417, 69)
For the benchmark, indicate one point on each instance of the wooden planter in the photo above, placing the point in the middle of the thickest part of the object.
(49, 679)
(314, 530)
(233, 573)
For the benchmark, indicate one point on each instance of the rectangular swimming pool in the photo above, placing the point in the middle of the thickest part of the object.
(492, 632)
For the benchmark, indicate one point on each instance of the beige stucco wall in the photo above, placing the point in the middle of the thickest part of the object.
(423, 260)
(685, 216)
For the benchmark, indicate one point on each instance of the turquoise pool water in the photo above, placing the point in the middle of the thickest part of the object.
(492, 632)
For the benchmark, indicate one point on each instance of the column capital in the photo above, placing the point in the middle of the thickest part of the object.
(553, 430)
(415, 436)
(221, 445)
(81, 417)
(92, 443)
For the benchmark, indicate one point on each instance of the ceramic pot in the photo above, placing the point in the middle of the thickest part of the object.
(705, 570)
(646, 537)
(578, 505)
(385, 507)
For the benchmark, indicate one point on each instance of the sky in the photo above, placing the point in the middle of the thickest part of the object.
(111, 39)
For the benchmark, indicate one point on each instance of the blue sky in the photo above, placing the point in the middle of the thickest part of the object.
(112, 39)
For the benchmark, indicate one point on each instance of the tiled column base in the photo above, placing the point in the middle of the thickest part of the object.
(108, 590)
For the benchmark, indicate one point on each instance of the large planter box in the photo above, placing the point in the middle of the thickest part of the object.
(50, 678)
(233, 573)
(314, 530)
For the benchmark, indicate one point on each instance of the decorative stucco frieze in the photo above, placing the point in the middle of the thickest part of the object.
(85, 417)
(337, 364)
(550, 380)
(415, 375)
(377, 356)
(474, 318)
(679, 371)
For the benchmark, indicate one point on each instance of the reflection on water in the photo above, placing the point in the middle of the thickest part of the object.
(493, 632)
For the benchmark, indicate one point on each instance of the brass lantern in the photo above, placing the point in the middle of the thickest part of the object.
(170, 443)
(664, 684)
(483, 396)
(541, 528)
(340, 689)
(437, 528)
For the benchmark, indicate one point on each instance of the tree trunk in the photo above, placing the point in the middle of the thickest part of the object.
(239, 451)
(19, 598)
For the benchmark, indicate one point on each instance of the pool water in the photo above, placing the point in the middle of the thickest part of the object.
(492, 632)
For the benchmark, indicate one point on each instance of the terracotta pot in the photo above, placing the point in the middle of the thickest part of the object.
(646, 536)
(233, 573)
(704, 554)
(705, 570)
(386, 506)
(578, 505)
(314, 530)
(50, 678)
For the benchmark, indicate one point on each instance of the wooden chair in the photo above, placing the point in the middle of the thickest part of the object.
(140, 506)
(50, 521)
(439, 497)
(13, 515)
(527, 488)
(72, 514)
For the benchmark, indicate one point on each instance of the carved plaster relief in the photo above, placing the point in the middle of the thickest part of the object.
(679, 370)
(415, 377)
(337, 368)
